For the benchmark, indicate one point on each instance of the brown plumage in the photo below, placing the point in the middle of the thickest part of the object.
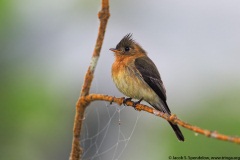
(136, 76)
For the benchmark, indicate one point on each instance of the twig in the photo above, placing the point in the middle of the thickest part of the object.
(173, 118)
(81, 105)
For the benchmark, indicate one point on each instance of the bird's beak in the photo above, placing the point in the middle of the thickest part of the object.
(113, 49)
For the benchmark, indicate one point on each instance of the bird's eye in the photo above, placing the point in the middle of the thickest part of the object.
(126, 49)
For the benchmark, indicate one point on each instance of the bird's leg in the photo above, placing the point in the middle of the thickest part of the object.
(135, 103)
(126, 99)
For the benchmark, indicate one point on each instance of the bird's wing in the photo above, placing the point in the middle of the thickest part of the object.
(151, 76)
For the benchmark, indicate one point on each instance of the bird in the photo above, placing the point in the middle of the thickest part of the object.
(137, 77)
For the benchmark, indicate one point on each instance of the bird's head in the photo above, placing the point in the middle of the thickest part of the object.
(127, 47)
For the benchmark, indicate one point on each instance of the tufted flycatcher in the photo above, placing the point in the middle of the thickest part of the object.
(136, 76)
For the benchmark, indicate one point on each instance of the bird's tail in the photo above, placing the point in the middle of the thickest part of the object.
(177, 131)
(164, 107)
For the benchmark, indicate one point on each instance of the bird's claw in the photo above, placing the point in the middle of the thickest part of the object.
(126, 99)
(135, 103)
(112, 100)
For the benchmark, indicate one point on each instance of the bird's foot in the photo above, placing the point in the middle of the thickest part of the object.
(135, 103)
(112, 100)
(126, 99)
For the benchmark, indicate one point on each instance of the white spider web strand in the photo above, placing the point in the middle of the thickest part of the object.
(127, 139)
(101, 142)
(107, 127)
(91, 139)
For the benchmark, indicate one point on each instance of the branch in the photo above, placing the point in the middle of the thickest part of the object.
(103, 16)
(173, 118)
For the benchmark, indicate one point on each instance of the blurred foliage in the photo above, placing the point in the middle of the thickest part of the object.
(35, 120)
(34, 123)
(5, 12)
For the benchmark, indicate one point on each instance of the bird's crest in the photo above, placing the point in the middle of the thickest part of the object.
(126, 41)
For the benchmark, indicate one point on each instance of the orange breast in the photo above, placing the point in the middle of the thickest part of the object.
(129, 81)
